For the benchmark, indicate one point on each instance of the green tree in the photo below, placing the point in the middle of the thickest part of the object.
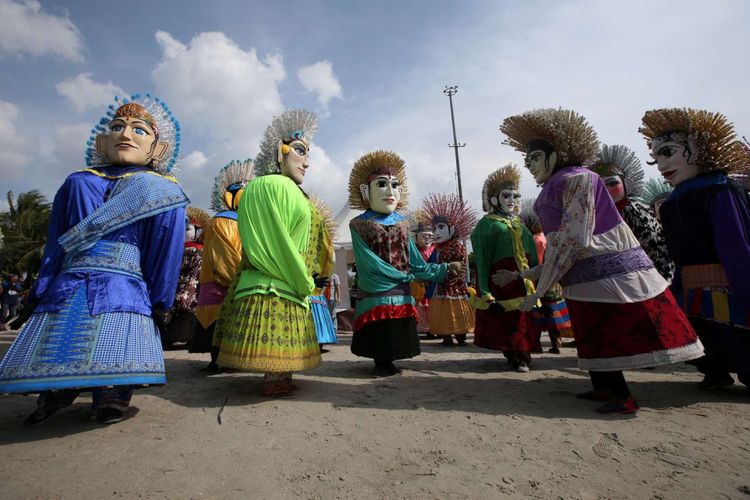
(24, 228)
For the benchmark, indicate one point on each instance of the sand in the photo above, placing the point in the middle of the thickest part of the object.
(455, 424)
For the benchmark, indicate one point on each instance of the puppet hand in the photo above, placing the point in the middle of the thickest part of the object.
(456, 268)
(529, 303)
(532, 274)
(503, 277)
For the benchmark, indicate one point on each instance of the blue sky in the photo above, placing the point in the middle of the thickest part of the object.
(374, 71)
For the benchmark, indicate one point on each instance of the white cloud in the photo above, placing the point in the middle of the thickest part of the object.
(16, 150)
(220, 90)
(84, 93)
(326, 178)
(69, 146)
(320, 79)
(26, 29)
(196, 174)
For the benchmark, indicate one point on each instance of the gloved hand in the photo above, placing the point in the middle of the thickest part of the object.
(529, 303)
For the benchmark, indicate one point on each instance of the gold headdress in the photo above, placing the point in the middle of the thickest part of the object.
(710, 136)
(373, 164)
(507, 177)
(198, 217)
(620, 160)
(566, 131)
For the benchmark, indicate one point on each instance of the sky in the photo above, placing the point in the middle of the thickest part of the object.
(373, 71)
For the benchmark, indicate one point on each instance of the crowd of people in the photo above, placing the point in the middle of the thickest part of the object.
(130, 269)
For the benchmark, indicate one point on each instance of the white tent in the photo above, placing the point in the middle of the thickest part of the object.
(343, 249)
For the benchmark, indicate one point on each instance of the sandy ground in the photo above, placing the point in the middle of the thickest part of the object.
(455, 424)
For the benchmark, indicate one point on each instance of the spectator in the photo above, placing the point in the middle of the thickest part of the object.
(10, 295)
(332, 294)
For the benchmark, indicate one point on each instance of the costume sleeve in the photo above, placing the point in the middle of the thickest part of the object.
(422, 270)
(731, 221)
(529, 247)
(161, 257)
(273, 217)
(575, 232)
(482, 255)
(223, 250)
(66, 212)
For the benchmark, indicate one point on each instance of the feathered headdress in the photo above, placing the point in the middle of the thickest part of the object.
(234, 172)
(654, 190)
(293, 124)
(450, 209)
(371, 165)
(742, 175)
(152, 110)
(572, 138)
(528, 216)
(619, 160)
(710, 136)
(415, 222)
(507, 177)
(324, 209)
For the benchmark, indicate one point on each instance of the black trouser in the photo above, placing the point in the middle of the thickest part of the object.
(613, 382)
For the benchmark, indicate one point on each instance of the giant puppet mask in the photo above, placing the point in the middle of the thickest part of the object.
(383, 193)
(541, 159)
(441, 230)
(674, 155)
(506, 201)
(133, 138)
(293, 159)
(615, 187)
(424, 238)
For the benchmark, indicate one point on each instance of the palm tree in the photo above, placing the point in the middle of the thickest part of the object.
(24, 227)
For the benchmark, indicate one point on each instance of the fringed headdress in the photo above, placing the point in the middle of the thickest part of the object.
(450, 209)
(654, 190)
(742, 175)
(416, 224)
(153, 111)
(507, 177)
(198, 217)
(620, 160)
(528, 216)
(709, 136)
(324, 209)
(566, 131)
(370, 166)
(291, 125)
(234, 172)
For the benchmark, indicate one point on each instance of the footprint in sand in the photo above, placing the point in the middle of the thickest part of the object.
(605, 447)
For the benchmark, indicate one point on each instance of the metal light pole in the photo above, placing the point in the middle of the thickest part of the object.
(450, 92)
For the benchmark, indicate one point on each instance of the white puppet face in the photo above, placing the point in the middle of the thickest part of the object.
(443, 232)
(382, 193)
(191, 231)
(507, 200)
(294, 160)
(675, 160)
(615, 187)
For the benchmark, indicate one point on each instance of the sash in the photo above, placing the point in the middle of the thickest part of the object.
(133, 198)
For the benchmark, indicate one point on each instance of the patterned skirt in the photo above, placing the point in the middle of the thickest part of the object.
(451, 316)
(265, 333)
(423, 316)
(506, 331)
(71, 349)
(322, 318)
(652, 332)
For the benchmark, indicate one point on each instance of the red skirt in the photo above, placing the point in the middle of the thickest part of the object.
(612, 337)
(508, 331)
